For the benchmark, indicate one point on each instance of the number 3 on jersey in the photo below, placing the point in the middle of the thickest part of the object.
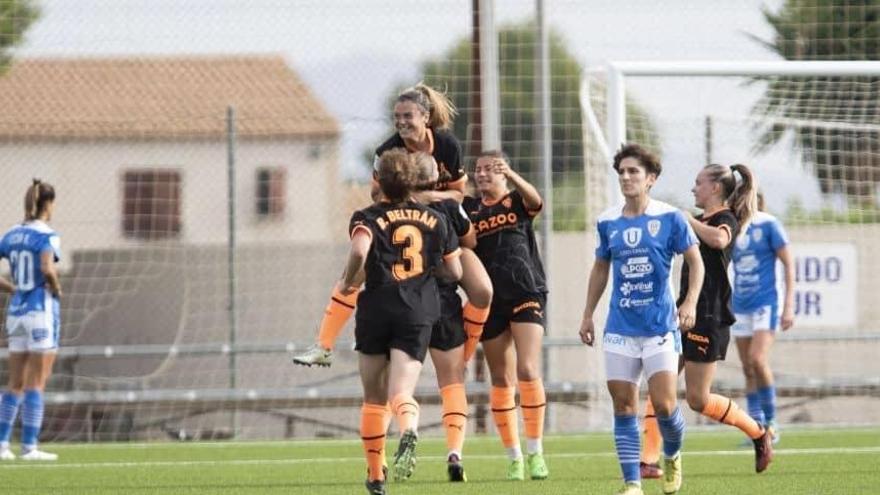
(412, 264)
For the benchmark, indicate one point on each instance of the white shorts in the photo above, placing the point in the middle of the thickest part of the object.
(626, 357)
(763, 318)
(37, 331)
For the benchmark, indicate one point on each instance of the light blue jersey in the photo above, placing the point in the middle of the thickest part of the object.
(22, 245)
(754, 264)
(641, 250)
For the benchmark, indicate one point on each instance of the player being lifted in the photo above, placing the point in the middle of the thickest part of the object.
(638, 241)
(400, 245)
(727, 207)
(513, 333)
(756, 306)
(32, 320)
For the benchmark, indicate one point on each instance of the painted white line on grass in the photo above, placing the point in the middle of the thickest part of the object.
(327, 460)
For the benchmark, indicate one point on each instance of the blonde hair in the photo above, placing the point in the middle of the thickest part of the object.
(741, 196)
(440, 109)
(397, 175)
(425, 165)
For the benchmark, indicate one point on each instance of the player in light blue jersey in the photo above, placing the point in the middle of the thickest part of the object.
(756, 306)
(32, 320)
(638, 242)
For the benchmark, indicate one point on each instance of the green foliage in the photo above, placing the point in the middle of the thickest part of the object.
(15, 18)
(797, 214)
(519, 112)
(842, 146)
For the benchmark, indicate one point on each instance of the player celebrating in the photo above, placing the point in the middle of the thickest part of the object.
(32, 320)
(513, 333)
(639, 240)
(400, 245)
(422, 117)
(756, 306)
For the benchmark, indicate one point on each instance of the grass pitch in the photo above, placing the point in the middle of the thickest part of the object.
(811, 461)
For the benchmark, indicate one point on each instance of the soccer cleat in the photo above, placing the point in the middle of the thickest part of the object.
(315, 355)
(631, 489)
(405, 458)
(650, 471)
(672, 474)
(6, 454)
(38, 455)
(375, 487)
(763, 451)
(537, 467)
(516, 471)
(773, 428)
(454, 469)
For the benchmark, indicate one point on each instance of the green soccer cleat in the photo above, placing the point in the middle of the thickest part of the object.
(631, 489)
(405, 458)
(516, 471)
(672, 474)
(537, 467)
(315, 355)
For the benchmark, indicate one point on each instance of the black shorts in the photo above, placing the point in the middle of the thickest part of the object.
(448, 333)
(705, 345)
(528, 309)
(379, 336)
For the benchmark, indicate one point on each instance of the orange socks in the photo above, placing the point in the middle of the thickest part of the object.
(406, 410)
(337, 312)
(726, 411)
(373, 428)
(533, 403)
(653, 440)
(455, 413)
(503, 404)
(474, 319)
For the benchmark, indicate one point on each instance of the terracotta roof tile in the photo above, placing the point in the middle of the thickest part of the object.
(158, 97)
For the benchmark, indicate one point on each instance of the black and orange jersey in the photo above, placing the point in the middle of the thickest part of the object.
(445, 149)
(408, 241)
(506, 245)
(714, 305)
(460, 226)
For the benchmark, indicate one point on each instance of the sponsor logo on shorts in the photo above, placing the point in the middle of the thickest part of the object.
(526, 305)
(695, 337)
(40, 334)
(614, 339)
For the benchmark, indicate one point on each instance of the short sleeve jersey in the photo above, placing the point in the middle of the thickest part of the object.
(713, 305)
(408, 241)
(445, 149)
(754, 263)
(23, 246)
(506, 245)
(460, 225)
(640, 250)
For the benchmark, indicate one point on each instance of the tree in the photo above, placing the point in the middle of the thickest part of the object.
(516, 53)
(833, 119)
(16, 16)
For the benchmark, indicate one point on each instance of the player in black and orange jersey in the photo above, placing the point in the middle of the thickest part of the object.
(506, 245)
(422, 117)
(455, 336)
(728, 207)
(401, 246)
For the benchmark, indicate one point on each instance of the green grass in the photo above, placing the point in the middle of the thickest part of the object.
(829, 461)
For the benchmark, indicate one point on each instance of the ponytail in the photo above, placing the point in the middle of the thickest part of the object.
(440, 109)
(744, 199)
(35, 199)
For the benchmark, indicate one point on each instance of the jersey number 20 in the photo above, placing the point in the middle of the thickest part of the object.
(23, 261)
(412, 264)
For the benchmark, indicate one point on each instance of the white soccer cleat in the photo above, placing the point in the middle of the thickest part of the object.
(39, 455)
(6, 455)
(315, 355)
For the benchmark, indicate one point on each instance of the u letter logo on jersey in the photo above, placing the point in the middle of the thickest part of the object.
(632, 236)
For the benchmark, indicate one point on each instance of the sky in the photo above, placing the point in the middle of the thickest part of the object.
(354, 53)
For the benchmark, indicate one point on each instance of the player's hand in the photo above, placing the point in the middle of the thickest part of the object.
(500, 167)
(687, 316)
(787, 318)
(588, 331)
(345, 289)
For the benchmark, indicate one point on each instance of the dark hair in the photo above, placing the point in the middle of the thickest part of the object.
(495, 154)
(647, 160)
(741, 196)
(437, 105)
(38, 195)
(397, 175)
(761, 204)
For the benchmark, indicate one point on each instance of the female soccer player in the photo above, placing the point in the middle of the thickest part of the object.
(401, 245)
(422, 117)
(32, 320)
(756, 306)
(512, 335)
(639, 241)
